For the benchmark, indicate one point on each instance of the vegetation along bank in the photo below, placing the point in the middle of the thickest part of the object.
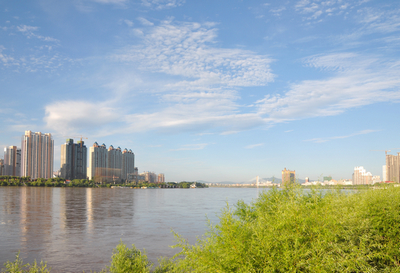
(290, 230)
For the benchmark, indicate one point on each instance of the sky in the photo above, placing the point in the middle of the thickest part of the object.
(208, 90)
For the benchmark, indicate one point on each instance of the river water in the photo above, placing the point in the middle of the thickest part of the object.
(75, 229)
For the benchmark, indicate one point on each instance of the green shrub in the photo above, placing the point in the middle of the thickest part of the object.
(126, 259)
(290, 230)
(19, 267)
(295, 231)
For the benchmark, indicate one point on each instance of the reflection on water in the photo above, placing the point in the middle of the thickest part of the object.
(75, 229)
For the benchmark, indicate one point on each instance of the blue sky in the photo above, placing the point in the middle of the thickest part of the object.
(208, 90)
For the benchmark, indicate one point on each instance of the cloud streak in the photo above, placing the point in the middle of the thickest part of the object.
(254, 146)
(191, 147)
(322, 140)
(359, 81)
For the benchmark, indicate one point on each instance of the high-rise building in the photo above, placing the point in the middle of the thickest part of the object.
(37, 155)
(160, 178)
(73, 160)
(361, 176)
(384, 175)
(128, 165)
(1, 166)
(97, 169)
(393, 168)
(111, 165)
(149, 177)
(114, 163)
(12, 161)
(288, 177)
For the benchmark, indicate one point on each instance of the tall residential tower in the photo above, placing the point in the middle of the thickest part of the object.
(73, 160)
(12, 161)
(37, 155)
(288, 177)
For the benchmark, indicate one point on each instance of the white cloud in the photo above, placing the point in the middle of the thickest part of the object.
(278, 11)
(72, 117)
(314, 9)
(129, 23)
(145, 22)
(380, 21)
(187, 50)
(359, 81)
(29, 32)
(191, 147)
(321, 140)
(162, 4)
(115, 2)
(254, 146)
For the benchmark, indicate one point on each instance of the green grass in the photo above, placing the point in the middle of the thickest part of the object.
(291, 230)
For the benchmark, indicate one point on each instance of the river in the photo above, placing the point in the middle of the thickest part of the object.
(75, 229)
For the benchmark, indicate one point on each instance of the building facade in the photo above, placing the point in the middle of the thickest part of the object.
(73, 160)
(111, 165)
(12, 161)
(37, 155)
(114, 164)
(362, 177)
(160, 178)
(128, 165)
(97, 169)
(149, 177)
(393, 168)
(288, 177)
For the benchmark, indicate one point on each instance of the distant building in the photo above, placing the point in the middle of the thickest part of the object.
(376, 179)
(97, 169)
(327, 178)
(288, 177)
(12, 161)
(160, 178)
(111, 165)
(307, 180)
(73, 160)
(114, 164)
(361, 176)
(128, 165)
(345, 182)
(1, 166)
(393, 168)
(37, 155)
(149, 177)
(384, 175)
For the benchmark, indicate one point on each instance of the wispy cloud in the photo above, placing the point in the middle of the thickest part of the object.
(316, 9)
(114, 2)
(278, 11)
(28, 31)
(321, 140)
(145, 22)
(129, 23)
(162, 4)
(187, 49)
(254, 146)
(358, 81)
(191, 147)
(71, 117)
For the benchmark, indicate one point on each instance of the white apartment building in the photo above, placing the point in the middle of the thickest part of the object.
(12, 161)
(37, 155)
(361, 176)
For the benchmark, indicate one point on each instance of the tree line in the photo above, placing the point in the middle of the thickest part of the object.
(7, 180)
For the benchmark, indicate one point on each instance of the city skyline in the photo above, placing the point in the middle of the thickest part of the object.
(203, 90)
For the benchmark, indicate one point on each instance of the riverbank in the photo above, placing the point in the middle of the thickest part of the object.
(60, 182)
(289, 231)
